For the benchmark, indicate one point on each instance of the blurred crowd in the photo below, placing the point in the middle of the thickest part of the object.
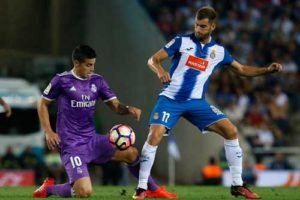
(251, 170)
(212, 172)
(48, 165)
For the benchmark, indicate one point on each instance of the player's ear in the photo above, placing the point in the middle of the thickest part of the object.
(76, 62)
(213, 26)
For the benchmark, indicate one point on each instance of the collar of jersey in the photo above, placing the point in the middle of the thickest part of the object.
(73, 73)
(209, 44)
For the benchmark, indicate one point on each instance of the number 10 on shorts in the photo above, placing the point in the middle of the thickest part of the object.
(75, 161)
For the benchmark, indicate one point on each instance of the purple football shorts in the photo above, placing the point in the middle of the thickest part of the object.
(97, 151)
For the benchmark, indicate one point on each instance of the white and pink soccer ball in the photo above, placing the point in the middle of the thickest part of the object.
(121, 136)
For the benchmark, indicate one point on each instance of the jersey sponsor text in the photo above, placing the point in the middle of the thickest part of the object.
(196, 63)
(82, 104)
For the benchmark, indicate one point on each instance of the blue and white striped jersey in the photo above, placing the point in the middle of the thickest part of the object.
(192, 66)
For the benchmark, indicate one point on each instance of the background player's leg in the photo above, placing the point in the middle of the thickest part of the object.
(232, 148)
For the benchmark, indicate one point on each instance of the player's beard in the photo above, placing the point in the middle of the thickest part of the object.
(202, 37)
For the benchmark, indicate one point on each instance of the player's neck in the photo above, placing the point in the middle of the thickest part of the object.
(205, 41)
(77, 74)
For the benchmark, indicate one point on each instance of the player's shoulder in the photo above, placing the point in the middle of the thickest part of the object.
(183, 36)
(59, 76)
(64, 74)
(181, 39)
(216, 46)
(215, 43)
(96, 76)
(187, 35)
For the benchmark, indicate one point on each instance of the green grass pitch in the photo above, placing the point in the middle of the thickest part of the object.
(184, 192)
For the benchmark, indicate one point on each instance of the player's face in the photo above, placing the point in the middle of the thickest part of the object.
(86, 68)
(203, 29)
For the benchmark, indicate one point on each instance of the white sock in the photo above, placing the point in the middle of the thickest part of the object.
(234, 157)
(146, 161)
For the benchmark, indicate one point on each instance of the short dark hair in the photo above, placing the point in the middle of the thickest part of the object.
(206, 12)
(81, 52)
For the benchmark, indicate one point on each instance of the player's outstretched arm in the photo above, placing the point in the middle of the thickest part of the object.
(7, 108)
(118, 107)
(52, 138)
(154, 63)
(247, 70)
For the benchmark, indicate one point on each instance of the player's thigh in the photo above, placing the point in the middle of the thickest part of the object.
(224, 128)
(203, 115)
(102, 150)
(83, 187)
(75, 165)
(129, 155)
(166, 112)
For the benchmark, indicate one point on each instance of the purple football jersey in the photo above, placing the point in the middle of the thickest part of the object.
(76, 99)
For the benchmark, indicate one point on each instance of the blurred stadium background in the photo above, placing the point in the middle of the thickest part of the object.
(37, 38)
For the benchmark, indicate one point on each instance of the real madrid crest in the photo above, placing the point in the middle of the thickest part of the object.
(93, 88)
(212, 55)
(79, 170)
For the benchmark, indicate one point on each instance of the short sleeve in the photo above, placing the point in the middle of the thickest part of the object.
(52, 91)
(227, 60)
(173, 46)
(105, 92)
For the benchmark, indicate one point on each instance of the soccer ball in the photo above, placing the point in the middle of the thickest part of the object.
(121, 136)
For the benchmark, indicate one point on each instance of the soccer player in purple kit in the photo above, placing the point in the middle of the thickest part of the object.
(76, 93)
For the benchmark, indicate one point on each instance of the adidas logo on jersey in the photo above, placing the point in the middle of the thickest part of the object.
(72, 88)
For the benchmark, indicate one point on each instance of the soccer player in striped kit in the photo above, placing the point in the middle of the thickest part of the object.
(195, 57)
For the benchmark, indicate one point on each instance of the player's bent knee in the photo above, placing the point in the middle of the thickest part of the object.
(83, 192)
(83, 187)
